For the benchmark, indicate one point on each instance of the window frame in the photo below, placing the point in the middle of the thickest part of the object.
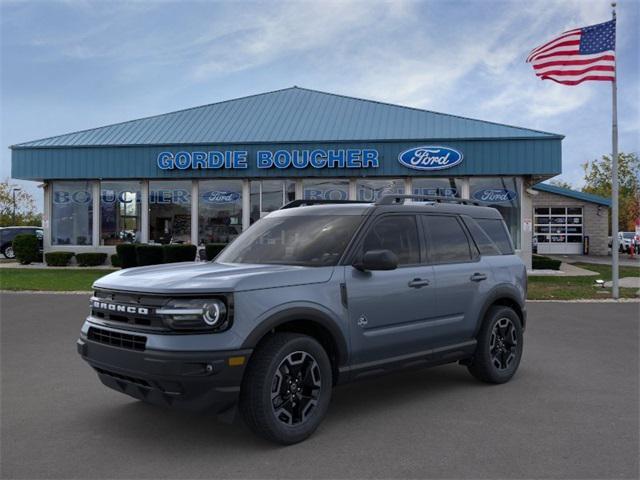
(468, 221)
(355, 250)
(474, 252)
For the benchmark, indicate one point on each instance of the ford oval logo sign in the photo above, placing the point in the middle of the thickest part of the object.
(220, 197)
(495, 195)
(430, 157)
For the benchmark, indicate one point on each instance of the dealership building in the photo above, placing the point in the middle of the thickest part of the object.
(204, 174)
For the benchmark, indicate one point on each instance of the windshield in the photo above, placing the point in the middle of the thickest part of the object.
(628, 234)
(314, 241)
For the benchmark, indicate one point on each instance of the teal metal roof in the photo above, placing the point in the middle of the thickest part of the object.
(289, 115)
(566, 192)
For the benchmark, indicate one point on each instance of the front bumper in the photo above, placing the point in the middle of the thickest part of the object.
(189, 380)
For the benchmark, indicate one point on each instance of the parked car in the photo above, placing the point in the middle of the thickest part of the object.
(310, 297)
(7, 234)
(624, 241)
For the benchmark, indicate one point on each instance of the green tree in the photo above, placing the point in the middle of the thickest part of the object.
(25, 206)
(561, 183)
(597, 178)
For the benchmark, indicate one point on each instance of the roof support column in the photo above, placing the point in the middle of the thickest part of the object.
(194, 212)
(246, 204)
(46, 217)
(353, 190)
(526, 223)
(299, 189)
(95, 225)
(144, 211)
(466, 190)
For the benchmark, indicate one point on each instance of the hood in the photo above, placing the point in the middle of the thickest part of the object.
(190, 277)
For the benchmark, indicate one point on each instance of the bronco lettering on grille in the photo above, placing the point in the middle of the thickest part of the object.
(113, 307)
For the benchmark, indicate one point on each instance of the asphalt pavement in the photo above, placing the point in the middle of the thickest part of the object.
(570, 412)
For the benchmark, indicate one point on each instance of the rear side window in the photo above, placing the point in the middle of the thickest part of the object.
(398, 233)
(484, 243)
(497, 232)
(448, 242)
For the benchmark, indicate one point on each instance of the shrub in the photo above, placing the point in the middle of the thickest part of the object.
(179, 253)
(149, 255)
(92, 259)
(26, 249)
(115, 260)
(127, 255)
(545, 263)
(213, 249)
(58, 259)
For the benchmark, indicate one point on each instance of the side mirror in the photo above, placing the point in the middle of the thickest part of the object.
(377, 260)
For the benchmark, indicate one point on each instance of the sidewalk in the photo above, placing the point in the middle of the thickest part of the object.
(566, 270)
(624, 259)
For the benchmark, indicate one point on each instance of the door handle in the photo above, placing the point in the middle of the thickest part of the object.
(478, 277)
(418, 283)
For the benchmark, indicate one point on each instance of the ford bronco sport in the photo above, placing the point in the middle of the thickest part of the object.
(309, 297)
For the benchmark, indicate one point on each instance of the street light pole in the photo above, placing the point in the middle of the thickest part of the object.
(13, 193)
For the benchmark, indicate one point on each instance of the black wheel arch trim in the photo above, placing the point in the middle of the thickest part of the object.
(503, 292)
(301, 314)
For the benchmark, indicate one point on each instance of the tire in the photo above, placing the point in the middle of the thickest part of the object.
(8, 252)
(499, 349)
(273, 367)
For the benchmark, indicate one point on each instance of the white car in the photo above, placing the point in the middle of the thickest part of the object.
(624, 240)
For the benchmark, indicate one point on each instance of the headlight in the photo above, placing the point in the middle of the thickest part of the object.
(200, 314)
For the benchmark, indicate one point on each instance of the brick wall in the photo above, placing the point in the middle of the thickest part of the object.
(595, 226)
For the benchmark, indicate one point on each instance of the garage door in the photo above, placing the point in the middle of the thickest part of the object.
(558, 230)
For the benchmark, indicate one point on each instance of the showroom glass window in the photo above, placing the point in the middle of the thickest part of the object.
(502, 193)
(170, 211)
(369, 190)
(329, 189)
(439, 187)
(71, 213)
(219, 211)
(270, 195)
(119, 212)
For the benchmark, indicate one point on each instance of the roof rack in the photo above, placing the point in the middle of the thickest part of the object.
(400, 198)
(306, 203)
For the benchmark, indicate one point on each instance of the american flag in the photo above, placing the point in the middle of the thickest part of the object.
(578, 55)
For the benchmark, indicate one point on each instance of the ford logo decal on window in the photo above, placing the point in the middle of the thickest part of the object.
(220, 197)
(495, 195)
(430, 157)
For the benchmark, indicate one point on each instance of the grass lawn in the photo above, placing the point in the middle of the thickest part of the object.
(49, 279)
(569, 288)
(540, 288)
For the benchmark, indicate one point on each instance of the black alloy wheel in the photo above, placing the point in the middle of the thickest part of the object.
(286, 388)
(295, 389)
(504, 344)
(499, 347)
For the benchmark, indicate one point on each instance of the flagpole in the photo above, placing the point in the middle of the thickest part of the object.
(615, 293)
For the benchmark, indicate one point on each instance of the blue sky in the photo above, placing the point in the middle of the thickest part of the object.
(75, 64)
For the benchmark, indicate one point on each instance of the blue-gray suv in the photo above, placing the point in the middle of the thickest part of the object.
(314, 295)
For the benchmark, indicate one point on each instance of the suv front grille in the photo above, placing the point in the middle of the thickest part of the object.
(117, 339)
(135, 311)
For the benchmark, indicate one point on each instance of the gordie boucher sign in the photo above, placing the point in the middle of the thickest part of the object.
(426, 158)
